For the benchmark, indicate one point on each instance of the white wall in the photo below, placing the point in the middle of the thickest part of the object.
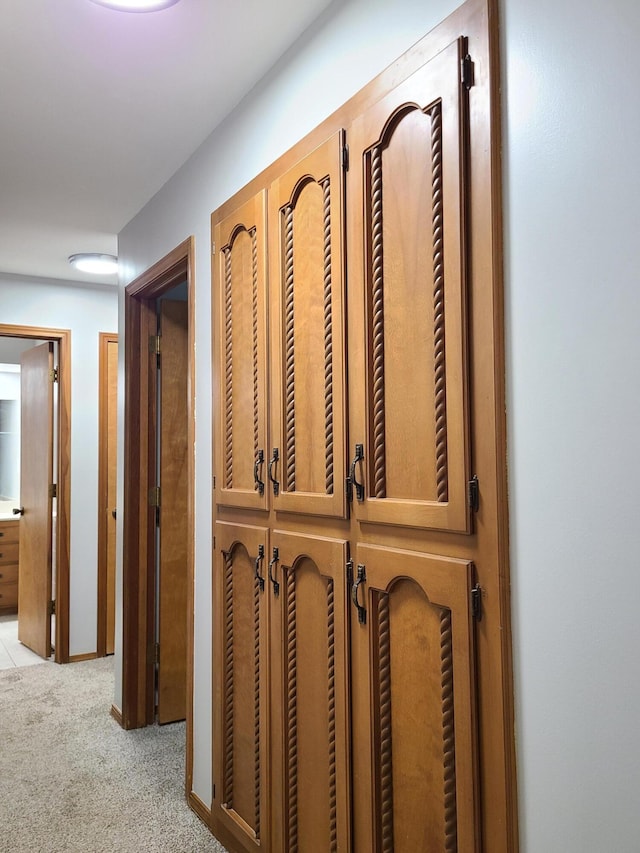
(86, 311)
(571, 128)
(10, 435)
(573, 306)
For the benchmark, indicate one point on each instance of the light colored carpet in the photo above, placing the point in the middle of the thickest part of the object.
(72, 780)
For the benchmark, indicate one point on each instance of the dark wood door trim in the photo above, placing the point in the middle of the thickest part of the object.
(63, 542)
(138, 599)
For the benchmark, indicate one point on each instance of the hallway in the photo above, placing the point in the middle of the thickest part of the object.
(72, 780)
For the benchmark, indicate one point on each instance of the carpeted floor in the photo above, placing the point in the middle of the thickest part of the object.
(72, 780)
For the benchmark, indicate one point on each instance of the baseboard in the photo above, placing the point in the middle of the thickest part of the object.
(79, 658)
(116, 713)
(196, 805)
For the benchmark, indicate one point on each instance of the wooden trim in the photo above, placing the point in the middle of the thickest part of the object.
(105, 339)
(116, 713)
(63, 534)
(191, 443)
(139, 475)
(196, 805)
(80, 658)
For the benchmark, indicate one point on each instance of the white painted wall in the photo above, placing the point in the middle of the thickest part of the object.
(86, 311)
(10, 432)
(573, 353)
(571, 130)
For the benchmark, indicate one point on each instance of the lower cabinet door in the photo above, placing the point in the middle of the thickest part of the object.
(241, 691)
(414, 701)
(310, 768)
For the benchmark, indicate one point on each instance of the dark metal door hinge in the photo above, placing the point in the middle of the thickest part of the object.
(476, 602)
(154, 496)
(345, 157)
(466, 72)
(154, 348)
(473, 495)
(53, 490)
(54, 374)
(52, 608)
(156, 653)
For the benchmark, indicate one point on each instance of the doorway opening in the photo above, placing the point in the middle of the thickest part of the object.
(44, 598)
(150, 517)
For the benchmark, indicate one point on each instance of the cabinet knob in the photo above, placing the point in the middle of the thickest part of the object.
(18, 510)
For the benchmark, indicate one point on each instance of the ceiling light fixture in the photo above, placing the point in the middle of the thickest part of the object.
(136, 5)
(92, 262)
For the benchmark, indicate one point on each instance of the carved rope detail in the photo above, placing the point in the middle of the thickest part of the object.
(328, 339)
(228, 373)
(442, 487)
(292, 716)
(256, 705)
(386, 769)
(333, 824)
(377, 298)
(228, 681)
(448, 734)
(254, 331)
(290, 411)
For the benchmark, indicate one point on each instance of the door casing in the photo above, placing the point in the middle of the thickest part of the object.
(138, 575)
(104, 477)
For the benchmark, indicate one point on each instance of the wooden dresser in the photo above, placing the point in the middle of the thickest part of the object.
(9, 544)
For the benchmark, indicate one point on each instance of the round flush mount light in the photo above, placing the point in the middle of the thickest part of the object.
(92, 262)
(136, 5)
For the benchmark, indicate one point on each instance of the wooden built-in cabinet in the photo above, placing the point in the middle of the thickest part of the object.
(9, 562)
(355, 550)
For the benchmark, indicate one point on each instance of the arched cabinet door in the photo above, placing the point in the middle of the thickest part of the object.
(240, 805)
(310, 696)
(414, 695)
(306, 223)
(239, 323)
(408, 307)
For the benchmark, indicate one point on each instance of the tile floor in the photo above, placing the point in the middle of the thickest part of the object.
(12, 652)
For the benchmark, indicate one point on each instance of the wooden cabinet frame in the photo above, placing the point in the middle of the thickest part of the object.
(482, 537)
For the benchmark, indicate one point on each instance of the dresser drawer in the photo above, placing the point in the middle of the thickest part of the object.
(8, 595)
(8, 574)
(8, 552)
(9, 532)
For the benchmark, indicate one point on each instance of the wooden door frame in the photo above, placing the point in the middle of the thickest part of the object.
(63, 527)
(138, 572)
(105, 338)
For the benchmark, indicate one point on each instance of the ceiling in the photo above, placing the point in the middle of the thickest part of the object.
(99, 108)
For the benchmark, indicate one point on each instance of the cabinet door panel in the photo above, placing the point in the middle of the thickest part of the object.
(308, 404)
(310, 705)
(418, 741)
(409, 314)
(239, 279)
(241, 685)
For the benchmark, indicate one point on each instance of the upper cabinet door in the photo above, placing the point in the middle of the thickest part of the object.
(239, 280)
(308, 336)
(408, 303)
